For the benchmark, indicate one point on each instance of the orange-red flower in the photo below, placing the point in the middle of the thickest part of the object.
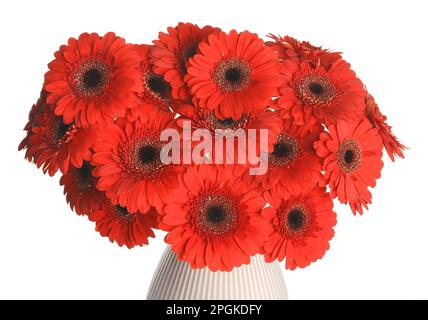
(233, 74)
(255, 121)
(390, 142)
(172, 51)
(127, 162)
(294, 167)
(311, 94)
(39, 107)
(123, 227)
(352, 159)
(214, 219)
(54, 145)
(92, 79)
(302, 227)
(289, 48)
(80, 189)
(156, 91)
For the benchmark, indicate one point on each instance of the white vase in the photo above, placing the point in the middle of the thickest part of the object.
(176, 280)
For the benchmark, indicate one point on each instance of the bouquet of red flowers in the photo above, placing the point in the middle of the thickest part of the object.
(132, 127)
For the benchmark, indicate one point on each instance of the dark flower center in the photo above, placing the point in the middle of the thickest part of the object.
(62, 128)
(226, 122)
(148, 154)
(91, 77)
(122, 211)
(61, 132)
(316, 89)
(349, 156)
(158, 86)
(285, 150)
(282, 150)
(186, 54)
(232, 75)
(141, 157)
(210, 121)
(214, 215)
(295, 219)
(83, 175)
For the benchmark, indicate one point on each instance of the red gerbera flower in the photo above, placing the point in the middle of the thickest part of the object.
(40, 107)
(302, 227)
(93, 79)
(123, 227)
(352, 154)
(127, 161)
(294, 166)
(214, 219)
(54, 145)
(309, 94)
(257, 120)
(80, 189)
(392, 146)
(156, 92)
(289, 48)
(173, 50)
(233, 74)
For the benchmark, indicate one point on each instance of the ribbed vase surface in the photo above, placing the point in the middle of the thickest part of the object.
(176, 280)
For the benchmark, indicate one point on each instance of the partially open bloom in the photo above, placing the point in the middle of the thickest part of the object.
(233, 74)
(302, 227)
(41, 106)
(290, 48)
(214, 220)
(311, 94)
(172, 51)
(128, 164)
(80, 189)
(390, 142)
(93, 79)
(352, 159)
(253, 122)
(123, 227)
(54, 145)
(155, 90)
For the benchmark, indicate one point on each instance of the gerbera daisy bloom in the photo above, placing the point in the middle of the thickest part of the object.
(40, 107)
(290, 48)
(259, 119)
(392, 146)
(93, 79)
(172, 51)
(156, 91)
(310, 94)
(302, 227)
(352, 159)
(214, 220)
(234, 73)
(123, 227)
(80, 189)
(128, 164)
(294, 167)
(54, 145)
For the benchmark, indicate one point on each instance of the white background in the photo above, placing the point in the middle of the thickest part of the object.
(46, 251)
